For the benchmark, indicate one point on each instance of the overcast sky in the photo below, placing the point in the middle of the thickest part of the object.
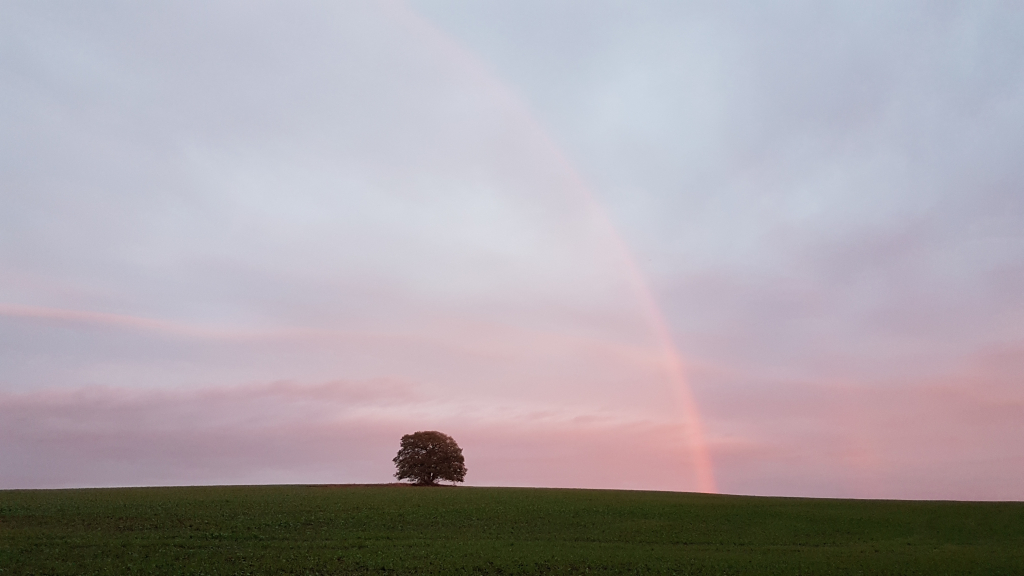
(722, 246)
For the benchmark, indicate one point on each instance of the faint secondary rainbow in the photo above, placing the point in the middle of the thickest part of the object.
(655, 317)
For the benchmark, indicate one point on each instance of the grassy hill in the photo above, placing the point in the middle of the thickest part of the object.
(404, 530)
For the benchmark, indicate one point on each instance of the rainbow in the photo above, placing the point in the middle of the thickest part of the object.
(492, 85)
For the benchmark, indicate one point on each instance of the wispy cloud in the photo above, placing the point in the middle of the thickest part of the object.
(951, 437)
(332, 432)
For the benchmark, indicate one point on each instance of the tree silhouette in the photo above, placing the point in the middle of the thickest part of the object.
(426, 457)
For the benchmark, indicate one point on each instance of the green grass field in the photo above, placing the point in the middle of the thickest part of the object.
(404, 530)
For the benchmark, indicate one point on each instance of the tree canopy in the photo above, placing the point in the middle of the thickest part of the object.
(426, 457)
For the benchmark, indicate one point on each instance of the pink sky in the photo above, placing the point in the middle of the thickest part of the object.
(654, 245)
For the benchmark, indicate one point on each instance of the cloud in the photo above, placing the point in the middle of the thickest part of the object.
(301, 193)
(327, 433)
(826, 202)
(950, 437)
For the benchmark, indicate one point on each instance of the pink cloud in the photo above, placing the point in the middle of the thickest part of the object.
(334, 432)
(951, 438)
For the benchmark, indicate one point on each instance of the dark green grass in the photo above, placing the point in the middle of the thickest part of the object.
(400, 530)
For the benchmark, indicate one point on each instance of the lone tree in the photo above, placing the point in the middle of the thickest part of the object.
(426, 457)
